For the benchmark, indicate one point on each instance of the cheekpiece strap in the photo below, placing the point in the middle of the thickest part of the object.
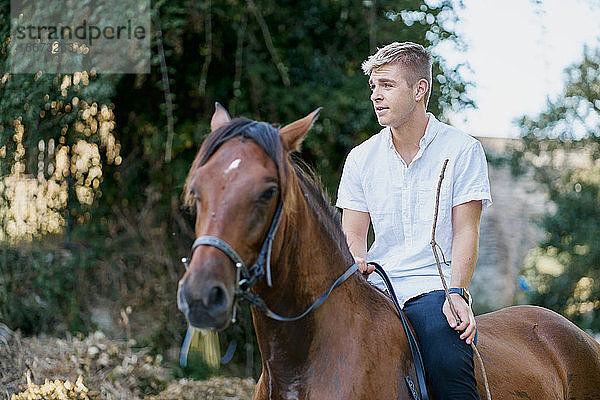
(264, 258)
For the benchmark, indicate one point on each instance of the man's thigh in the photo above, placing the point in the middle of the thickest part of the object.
(428, 320)
(448, 359)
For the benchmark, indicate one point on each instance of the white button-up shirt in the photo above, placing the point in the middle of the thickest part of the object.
(401, 198)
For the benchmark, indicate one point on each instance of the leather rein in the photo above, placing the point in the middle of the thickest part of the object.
(410, 336)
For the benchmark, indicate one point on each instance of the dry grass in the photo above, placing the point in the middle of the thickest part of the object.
(56, 389)
(95, 367)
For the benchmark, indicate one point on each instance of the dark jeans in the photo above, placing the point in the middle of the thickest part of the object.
(448, 359)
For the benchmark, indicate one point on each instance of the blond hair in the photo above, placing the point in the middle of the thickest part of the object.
(412, 57)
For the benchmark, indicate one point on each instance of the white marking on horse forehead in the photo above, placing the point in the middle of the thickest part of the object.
(234, 164)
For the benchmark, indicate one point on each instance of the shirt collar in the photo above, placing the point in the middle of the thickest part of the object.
(387, 133)
(431, 132)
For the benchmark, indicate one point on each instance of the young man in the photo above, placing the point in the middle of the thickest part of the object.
(390, 180)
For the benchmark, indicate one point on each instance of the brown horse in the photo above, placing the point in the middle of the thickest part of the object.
(354, 345)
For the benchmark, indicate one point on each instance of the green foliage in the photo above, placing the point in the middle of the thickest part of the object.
(566, 272)
(275, 61)
(38, 290)
(561, 145)
(46, 120)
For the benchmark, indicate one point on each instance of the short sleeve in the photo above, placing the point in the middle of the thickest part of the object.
(471, 180)
(350, 192)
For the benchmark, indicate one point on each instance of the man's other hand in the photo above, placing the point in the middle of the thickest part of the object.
(467, 326)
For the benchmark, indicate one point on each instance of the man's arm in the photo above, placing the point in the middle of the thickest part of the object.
(356, 226)
(465, 245)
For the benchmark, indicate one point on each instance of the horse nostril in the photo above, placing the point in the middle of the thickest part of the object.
(216, 300)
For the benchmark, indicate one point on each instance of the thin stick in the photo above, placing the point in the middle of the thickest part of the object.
(434, 246)
(168, 100)
(209, 50)
(283, 72)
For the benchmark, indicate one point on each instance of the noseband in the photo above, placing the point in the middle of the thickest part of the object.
(246, 277)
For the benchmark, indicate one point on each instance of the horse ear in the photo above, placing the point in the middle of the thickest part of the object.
(292, 134)
(219, 118)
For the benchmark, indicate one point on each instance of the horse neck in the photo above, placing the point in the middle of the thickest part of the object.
(307, 259)
(356, 321)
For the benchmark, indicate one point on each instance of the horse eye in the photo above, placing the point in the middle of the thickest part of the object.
(267, 194)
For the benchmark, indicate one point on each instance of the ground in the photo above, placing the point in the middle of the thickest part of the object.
(95, 367)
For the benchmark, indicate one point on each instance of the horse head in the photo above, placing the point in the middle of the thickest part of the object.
(237, 186)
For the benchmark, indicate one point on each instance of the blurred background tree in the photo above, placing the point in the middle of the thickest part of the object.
(98, 161)
(561, 146)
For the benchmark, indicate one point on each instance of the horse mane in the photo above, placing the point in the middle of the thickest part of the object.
(267, 137)
(319, 201)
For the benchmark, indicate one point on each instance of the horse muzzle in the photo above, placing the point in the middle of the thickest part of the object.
(208, 305)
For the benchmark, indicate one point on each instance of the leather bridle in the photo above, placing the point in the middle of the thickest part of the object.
(247, 278)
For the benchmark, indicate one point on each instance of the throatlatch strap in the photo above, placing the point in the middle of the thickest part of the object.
(412, 341)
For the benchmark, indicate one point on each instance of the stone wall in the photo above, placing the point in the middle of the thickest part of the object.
(508, 232)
